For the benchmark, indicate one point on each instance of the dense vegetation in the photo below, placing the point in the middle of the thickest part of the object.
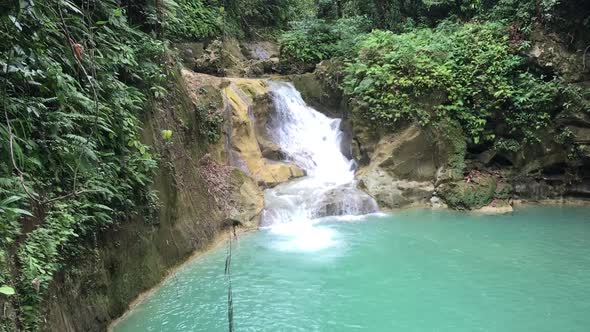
(428, 61)
(469, 73)
(75, 80)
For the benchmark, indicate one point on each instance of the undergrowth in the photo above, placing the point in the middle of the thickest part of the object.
(75, 79)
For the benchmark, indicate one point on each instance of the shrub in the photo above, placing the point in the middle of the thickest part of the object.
(313, 40)
(192, 19)
(470, 73)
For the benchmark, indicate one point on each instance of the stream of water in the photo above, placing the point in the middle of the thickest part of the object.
(312, 141)
(325, 261)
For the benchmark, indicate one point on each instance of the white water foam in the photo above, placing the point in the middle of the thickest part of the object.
(312, 141)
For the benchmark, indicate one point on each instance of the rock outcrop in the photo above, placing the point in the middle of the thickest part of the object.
(229, 57)
(434, 165)
(246, 200)
(248, 103)
(401, 170)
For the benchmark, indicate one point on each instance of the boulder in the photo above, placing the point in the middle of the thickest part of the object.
(392, 193)
(344, 200)
(190, 53)
(465, 195)
(321, 90)
(260, 50)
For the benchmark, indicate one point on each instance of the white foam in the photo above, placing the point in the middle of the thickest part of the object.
(304, 236)
(312, 141)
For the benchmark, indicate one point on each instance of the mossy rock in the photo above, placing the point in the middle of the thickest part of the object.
(450, 150)
(504, 191)
(468, 196)
(320, 89)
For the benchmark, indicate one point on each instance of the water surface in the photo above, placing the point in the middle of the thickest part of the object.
(415, 270)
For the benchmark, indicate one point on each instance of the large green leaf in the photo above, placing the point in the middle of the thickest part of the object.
(6, 290)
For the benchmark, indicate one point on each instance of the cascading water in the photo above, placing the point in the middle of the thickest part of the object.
(312, 141)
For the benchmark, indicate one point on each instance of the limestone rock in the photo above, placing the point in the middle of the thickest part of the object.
(320, 90)
(533, 189)
(241, 96)
(261, 50)
(344, 200)
(404, 166)
(402, 169)
(496, 209)
(246, 201)
(392, 193)
(190, 53)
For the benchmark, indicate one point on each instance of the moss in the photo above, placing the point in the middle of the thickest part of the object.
(468, 196)
(321, 90)
(451, 149)
(504, 191)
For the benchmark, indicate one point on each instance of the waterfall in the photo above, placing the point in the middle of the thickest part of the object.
(312, 141)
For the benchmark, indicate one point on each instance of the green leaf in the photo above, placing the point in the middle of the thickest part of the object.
(9, 200)
(20, 211)
(6, 290)
(72, 7)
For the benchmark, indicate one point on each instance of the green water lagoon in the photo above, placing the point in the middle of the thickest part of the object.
(415, 270)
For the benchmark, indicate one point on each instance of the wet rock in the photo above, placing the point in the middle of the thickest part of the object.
(533, 189)
(344, 200)
(272, 151)
(500, 208)
(391, 193)
(320, 89)
(242, 96)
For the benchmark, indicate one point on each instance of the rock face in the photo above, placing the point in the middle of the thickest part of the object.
(320, 88)
(549, 51)
(247, 99)
(401, 170)
(230, 58)
(246, 200)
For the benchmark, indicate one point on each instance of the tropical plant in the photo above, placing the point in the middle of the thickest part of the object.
(470, 73)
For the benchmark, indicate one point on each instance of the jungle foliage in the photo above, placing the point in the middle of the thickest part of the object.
(471, 73)
(313, 40)
(75, 80)
(428, 61)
